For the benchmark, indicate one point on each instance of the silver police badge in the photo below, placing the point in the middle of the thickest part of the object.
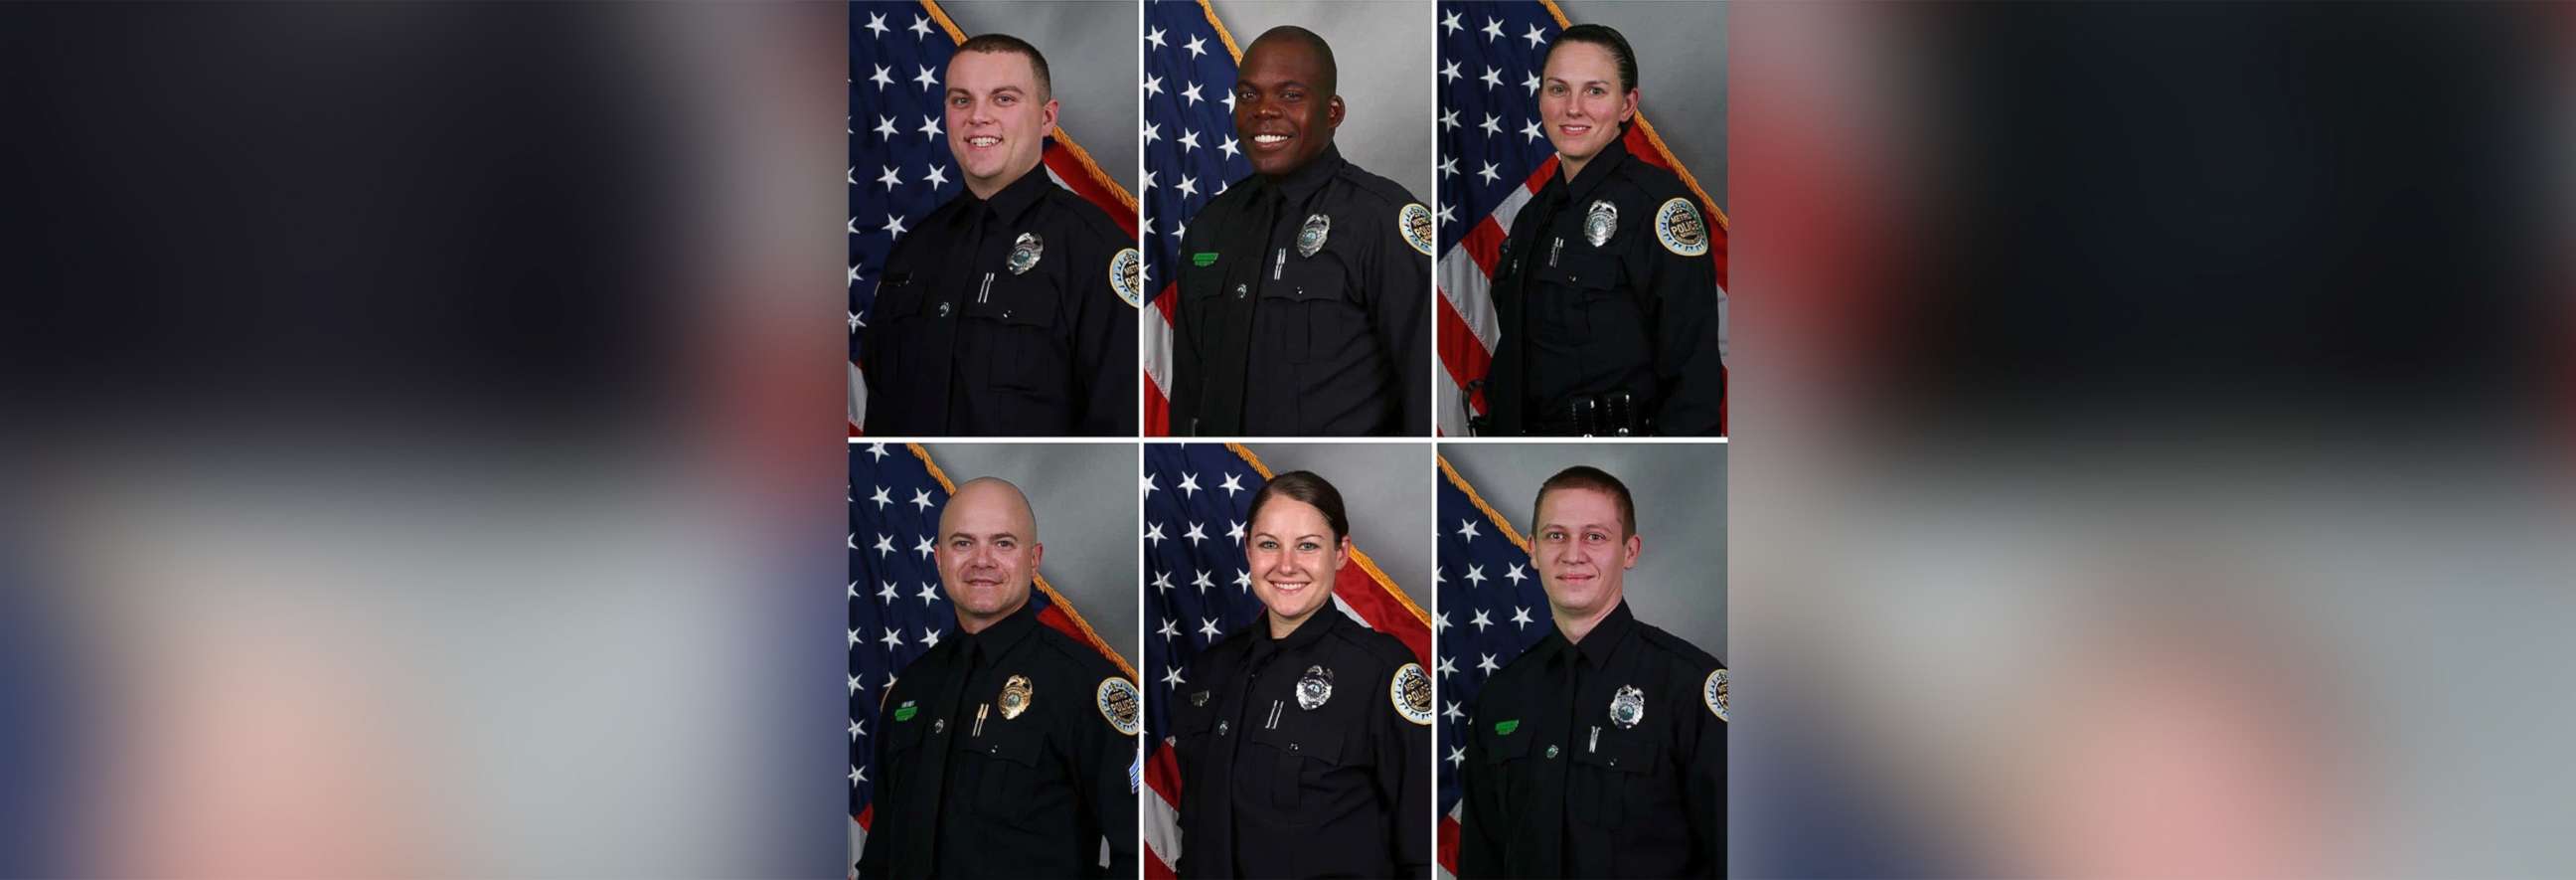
(1628, 706)
(1315, 688)
(1310, 238)
(1025, 252)
(1600, 222)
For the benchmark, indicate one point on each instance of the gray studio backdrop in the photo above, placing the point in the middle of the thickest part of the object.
(1390, 509)
(1091, 56)
(1085, 498)
(1681, 69)
(1679, 583)
(1384, 50)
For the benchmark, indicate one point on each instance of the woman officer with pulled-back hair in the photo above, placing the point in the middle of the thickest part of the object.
(1608, 300)
(1303, 739)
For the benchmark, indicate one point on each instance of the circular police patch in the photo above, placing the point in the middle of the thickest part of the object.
(1123, 277)
(1415, 220)
(1411, 693)
(1678, 226)
(1117, 702)
(1713, 692)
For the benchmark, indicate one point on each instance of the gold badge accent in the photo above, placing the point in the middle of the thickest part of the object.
(1410, 690)
(1015, 696)
(1713, 692)
(1678, 226)
(1118, 703)
(1415, 221)
(1126, 277)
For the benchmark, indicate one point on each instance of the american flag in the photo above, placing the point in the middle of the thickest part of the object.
(1493, 157)
(1198, 500)
(900, 167)
(898, 608)
(1191, 155)
(1491, 609)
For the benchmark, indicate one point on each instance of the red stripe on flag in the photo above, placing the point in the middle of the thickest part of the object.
(1069, 168)
(1484, 244)
(1163, 778)
(1360, 591)
(1447, 846)
(1461, 354)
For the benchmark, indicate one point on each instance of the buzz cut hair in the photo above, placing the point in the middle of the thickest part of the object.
(1007, 44)
(1584, 476)
(1323, 52)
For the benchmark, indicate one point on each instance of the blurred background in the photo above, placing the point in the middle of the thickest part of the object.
(2153, 430)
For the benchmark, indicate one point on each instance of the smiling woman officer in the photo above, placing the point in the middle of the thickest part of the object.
(1607, 298)
(1308, 754)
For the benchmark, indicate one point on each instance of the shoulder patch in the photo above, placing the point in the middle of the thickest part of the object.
(1117, 703)
(1678, 226)
(1415, 221)
(1410, 690)
(1124, 277)
(1713, 692)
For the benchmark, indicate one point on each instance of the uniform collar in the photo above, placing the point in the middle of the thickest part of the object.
(1014, 199)
(1601, 166)
(1597, 645)
(1303, 182)
(1323, 621)
(1004, 634)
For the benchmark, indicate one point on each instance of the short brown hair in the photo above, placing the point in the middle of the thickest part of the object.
(1005, 43)
(1307, 487)
(1584, 476)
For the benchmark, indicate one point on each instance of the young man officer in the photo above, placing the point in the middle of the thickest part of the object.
(1305, 288)
(1600, 751)
(1012, 309)
(1007, 749)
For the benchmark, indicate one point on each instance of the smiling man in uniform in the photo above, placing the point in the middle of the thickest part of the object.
(1601, 750)
(1011, 311)
(1006, 750)
(1305, 289)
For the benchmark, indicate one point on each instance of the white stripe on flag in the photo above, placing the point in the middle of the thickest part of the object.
(858, 397)
(1158, 348)
(1163, 825)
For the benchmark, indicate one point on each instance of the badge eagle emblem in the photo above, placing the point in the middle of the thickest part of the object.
(1124, 277)
(1025, 252)
(1118, 703)
(1713, 692)
(1415, 221)
(1410, 690)
(1600, 222)
(1628, 706)
(1015, 696)
(1314, 688)
(1678, 226)
(1310, 237)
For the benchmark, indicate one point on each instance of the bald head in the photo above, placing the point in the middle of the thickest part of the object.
(988, 551)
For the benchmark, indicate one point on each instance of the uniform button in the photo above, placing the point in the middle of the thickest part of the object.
(1006, 313)
(1292, 747)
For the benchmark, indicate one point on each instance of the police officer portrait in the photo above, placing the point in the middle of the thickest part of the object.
(993, 706)
(1281, 194)
(1583, 705)
(994, 280)
(1583, 285)
(1293, 704)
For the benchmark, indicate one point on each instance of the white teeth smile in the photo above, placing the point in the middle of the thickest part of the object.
(982, 141)
(1268, 139)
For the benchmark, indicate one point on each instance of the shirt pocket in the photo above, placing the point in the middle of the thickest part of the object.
(1300, 751)
(1313, 311)
(1019, 311)
(1509, 772)
(899, 299)
(1612, 781)
(903, 751)
(1014, 756)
